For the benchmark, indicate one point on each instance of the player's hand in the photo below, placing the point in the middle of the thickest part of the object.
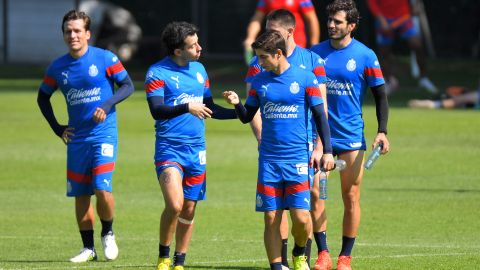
(231, 97)
(316, 159)
(199, 110)
(99, 115)
(385, 26)
(381, 138)
(67, 134)
(328, 163)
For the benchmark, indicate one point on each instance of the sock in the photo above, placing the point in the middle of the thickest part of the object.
(163, 251)
(321, 240)
(106, 227)
(87, 238)
(298, 250)
(308, 250)
(179, 258)
(276, 266)
(284, 252)
(347, 245)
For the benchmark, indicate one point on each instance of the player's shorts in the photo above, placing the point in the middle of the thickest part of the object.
(90, 167)
(402, 26)
(282, 185)
(345, 146)
(190, 160)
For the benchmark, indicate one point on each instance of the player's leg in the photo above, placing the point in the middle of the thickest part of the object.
(384, 43)
(297, 198)
(284, 235)
(270, 201)
(194, 190)
(351, 178)
(79, 185)
(104, 159)
(319, 226)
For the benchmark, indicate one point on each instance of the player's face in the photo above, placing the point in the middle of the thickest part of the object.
(75, 35)
(338, 27)
(276, 26)
(268, 61)
(192, 50)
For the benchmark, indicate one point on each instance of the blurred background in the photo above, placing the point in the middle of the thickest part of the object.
(132, 28)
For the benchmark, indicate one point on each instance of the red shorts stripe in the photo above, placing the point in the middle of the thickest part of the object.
(194, 180)
(153, 85)
(115, 68)
(313, 91)
(158, 164)
(269, 191)
(104, 168)
(296, 188)
(79, 178)
(375, 72)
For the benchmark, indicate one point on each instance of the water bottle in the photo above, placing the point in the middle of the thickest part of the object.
(373, 156)
(339, 165)
(323, 186)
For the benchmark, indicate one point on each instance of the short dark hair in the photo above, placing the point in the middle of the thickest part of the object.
(175, 33)
(350, 8)
(270, 41)
(285, 17)
(73, 15)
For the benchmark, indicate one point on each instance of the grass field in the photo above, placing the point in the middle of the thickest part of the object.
(419, 204)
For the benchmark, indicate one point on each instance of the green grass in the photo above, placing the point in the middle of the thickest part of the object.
(419, 203)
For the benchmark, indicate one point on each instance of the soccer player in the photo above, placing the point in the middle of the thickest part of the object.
(301, 9)
(286, 95)
(179, 98)
(394, 17)
(86, 77)
(351, 67)
(283, 21)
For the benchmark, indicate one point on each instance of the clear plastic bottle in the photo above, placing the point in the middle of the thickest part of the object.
(339, 165)
(373, 156)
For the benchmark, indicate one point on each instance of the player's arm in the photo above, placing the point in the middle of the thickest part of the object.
(313, 26)
(323, 129)
(256, 123)
(159, 110)
(244, 113)
(125, 89)
(62, 131)
(253, 29)
(381, 105)
(219, 112)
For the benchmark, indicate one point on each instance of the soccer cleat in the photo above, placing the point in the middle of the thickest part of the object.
(285, 267)
(164, 263)
(323, 262)
(110, 248)
(300, 263)
(343, 263)
(86, 255)
(178, 267)
(426, 84)
(421, 104)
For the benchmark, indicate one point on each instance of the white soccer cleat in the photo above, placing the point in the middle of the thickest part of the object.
(86, 255)
(110, 248)
(285, 268)
(426, 84)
